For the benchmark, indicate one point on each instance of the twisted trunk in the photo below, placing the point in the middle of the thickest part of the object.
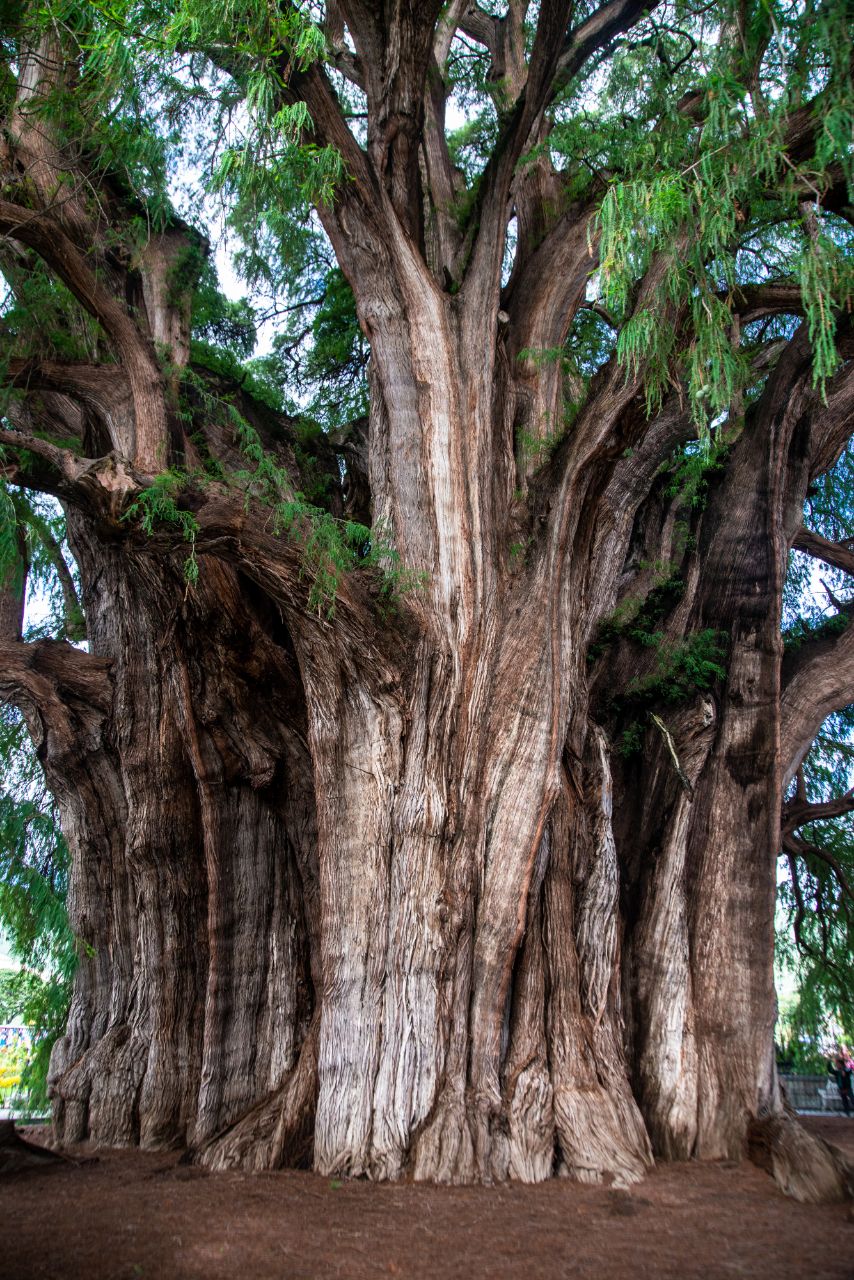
(392, 911)
(378, 893)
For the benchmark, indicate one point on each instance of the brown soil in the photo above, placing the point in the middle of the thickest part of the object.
(125, 1215)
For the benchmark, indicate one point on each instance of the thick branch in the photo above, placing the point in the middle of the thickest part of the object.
(97, 384)
(818, 679)
(49, 671)
(505, 39)
(751, 302)
(603, 25)
(46, 237)
(491, 213)
(545, 295)
(832, 553)
(833, 420)
(444, 184)
(69, 465)
(446, 28)
(799, 812)
(395, 49)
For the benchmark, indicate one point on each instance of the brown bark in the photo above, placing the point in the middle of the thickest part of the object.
(378, 893)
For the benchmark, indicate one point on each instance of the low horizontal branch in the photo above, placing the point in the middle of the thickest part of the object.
(798, 812)
(96, 384)
(70, 465)
(49, 671)
(754, 301)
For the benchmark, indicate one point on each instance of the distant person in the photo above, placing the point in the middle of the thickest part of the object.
(842, 1072)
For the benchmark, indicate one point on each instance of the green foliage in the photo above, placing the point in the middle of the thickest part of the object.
(636, 618)
(329, 547)
(257, 377)
(681, 183)
(692, 470)
(815, 934)
(815, 916)
(683, 668)
(33, 550)
(680, 670)
(809, 611)
(333, 372)
(802, 1034)
(534, 451)
(158, 505)
(827, 282)
(18, 989)
(217, 321)
(40, 319)
(803, 631)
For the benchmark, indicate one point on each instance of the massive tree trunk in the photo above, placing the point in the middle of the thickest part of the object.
(376, 892)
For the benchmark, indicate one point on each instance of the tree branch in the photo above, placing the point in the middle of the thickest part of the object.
(490, 215)
(395, 49)
(341, 57)
(50, 671)
(833, 419)
(608, 21)
(45, 236)
(817, 679)
(95, 384)
(751, 302)
(798, 812)
(13, 590)
(75, 627)
(504, 38)
(479, 26)
(69, 465)
(446, 29)
(832, 553)
(800, 907)
(797, 848)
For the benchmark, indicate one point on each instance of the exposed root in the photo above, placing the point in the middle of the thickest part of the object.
(804, 1166)
(16, 1154)
(445, 1150)
(279, 1130)
(532, 1141)
(600, 1136)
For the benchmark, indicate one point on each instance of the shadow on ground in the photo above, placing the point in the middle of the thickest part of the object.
(144, 1216)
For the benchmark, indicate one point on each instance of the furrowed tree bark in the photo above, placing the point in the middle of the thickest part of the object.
(381, 892)
(207, 985)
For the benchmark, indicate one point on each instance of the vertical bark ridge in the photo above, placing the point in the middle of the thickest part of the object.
(199, 1019)
(355, 738)
(417, 998)
(658, 943)
(526, 1080)
(599, 1129)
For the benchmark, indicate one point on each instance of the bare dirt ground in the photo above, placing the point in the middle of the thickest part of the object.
(126, 1215)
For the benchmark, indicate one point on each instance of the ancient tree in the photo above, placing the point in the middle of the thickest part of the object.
(424, 771)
